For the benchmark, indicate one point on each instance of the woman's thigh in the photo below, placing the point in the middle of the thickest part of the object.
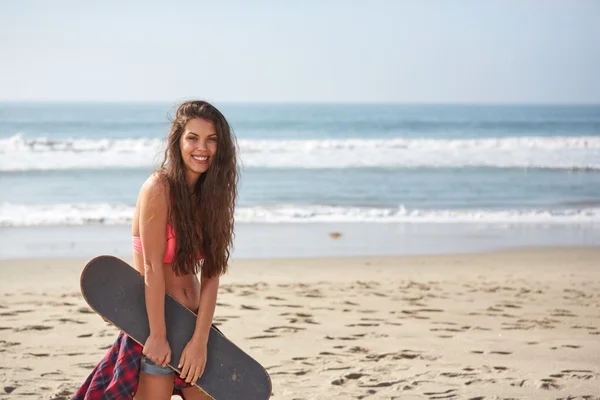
(152, 387)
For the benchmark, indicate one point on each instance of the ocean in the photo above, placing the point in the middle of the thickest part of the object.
(311, 168)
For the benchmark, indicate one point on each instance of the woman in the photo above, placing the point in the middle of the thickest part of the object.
(182, 225)
(184, 220)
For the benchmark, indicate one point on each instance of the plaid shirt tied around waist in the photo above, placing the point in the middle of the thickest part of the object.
(117, 375)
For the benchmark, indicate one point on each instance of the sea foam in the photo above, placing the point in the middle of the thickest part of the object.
(19, 153)
(120, 214)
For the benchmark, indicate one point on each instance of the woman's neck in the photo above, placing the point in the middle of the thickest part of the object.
(192, 180)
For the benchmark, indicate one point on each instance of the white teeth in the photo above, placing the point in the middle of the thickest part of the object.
(200, 158)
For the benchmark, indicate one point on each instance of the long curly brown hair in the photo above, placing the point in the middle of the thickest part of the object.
(204, 224)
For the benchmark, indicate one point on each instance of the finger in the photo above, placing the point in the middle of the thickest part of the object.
(168, 359)
(181, 360)
(163, 360)
(190, 373)
(196, 375)
(185, 370)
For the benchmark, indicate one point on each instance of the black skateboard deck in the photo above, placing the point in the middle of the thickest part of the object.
(115, 291)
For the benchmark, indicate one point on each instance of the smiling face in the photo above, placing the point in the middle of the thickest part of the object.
(198, 145)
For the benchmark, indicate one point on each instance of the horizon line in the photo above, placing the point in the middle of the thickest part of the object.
(307, 102)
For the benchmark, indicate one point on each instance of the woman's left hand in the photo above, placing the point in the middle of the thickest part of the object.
(193, 360)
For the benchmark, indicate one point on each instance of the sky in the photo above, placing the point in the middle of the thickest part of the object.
(421, 51)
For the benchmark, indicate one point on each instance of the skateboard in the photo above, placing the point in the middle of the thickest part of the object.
(115, 291)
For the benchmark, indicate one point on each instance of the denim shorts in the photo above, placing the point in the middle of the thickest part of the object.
(150, 367)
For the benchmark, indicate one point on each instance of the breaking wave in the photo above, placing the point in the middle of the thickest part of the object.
(18, 153)
(119, 214)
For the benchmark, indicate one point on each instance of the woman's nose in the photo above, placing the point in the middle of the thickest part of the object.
(201, 144)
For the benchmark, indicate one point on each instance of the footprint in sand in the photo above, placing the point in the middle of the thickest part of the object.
(38, 354)
(8, 344)
(548, 384)
(286, 305)
(303, 315)
(379, 294)
(274, 298)
(447, 394)
(33, 328)
(576, 374)
(354, 375)
(341, 338)
(479, 328)
(62, 395)
(461, 329)
(245, 307)
(336, 368)
(51, 373)
(66, 320)
(262, 337)
(383, 384)
(86, 365)
(328, 353)
(458, 374)
(9, 314)
(562, 313)
(286, 329)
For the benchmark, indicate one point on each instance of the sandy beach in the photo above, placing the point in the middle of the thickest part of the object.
(519, 324)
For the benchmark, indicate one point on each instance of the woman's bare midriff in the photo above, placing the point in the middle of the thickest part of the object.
(185, 289)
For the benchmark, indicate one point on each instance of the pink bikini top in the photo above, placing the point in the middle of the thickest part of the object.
(169, 252)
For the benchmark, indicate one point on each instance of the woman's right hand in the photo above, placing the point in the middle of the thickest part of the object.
(157, 349)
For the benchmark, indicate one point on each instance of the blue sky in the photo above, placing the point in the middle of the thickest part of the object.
(301, 51)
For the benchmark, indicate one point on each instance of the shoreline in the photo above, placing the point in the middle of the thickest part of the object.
(295, 240)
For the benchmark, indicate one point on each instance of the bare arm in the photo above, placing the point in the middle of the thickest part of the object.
(193, 357)
(153, 220)
(206, 311)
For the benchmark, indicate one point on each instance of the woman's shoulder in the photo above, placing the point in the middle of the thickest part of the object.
(155, 184)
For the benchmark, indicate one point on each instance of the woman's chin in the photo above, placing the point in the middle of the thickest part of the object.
(197, 169)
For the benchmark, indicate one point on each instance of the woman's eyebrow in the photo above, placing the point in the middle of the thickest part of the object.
(195, 134)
